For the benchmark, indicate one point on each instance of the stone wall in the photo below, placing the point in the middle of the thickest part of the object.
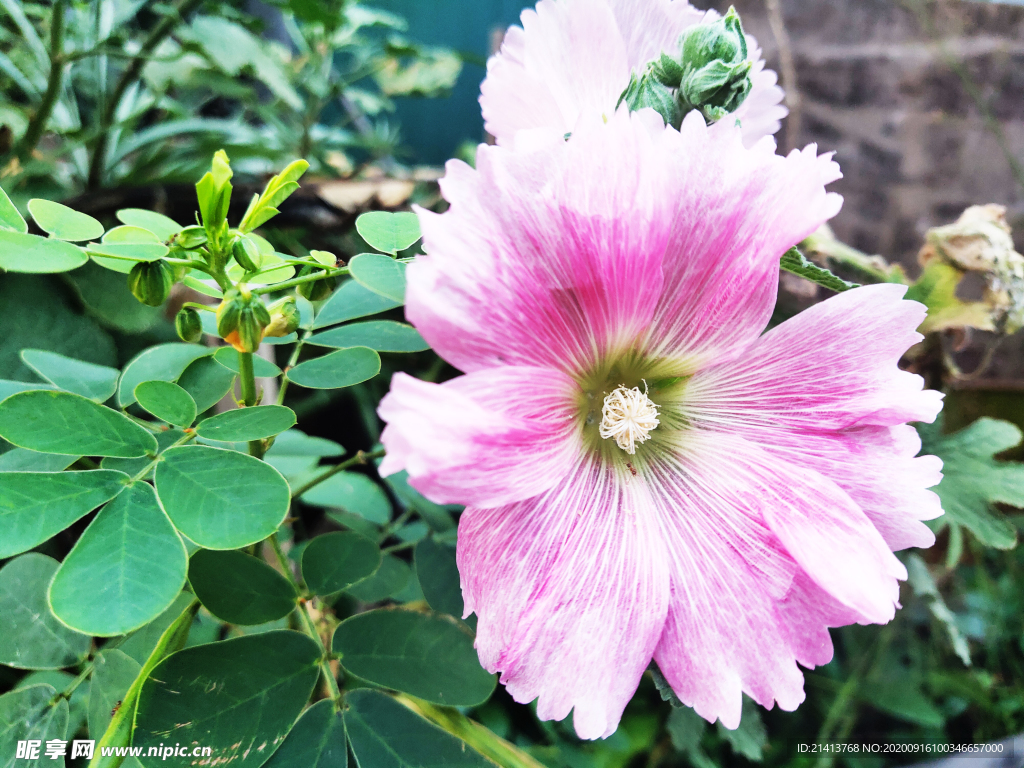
(879, 85)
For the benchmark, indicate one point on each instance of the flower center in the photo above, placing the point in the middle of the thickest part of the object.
(628, 416)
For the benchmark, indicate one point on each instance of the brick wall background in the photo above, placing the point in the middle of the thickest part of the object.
(879, 86)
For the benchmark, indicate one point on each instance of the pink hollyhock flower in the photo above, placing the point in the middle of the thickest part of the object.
(574, 57)
(645, 473)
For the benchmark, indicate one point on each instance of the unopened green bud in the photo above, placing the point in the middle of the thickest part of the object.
(246, 254)
(189, 325)
(189, 238)
(315, 290)
(241, 318)
(151, 281)
(284, 318)
(646, 92)
(228, 312)
(668, 71)
(716, 71)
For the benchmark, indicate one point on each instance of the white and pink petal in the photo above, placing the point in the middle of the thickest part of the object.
(487, 438)
(571, 590)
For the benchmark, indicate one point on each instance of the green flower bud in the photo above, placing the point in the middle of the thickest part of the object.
(151, 281)
(716, 71)
(316, 290)
(189, 238)
(646, 91)
(228, 312)
(668, 71)
(188, 325)
(241, 318)
(284, 318)
(246, 254)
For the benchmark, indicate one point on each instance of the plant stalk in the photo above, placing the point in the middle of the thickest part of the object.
(249, 396)
(54, 83)
(360, 458)
(131, 74)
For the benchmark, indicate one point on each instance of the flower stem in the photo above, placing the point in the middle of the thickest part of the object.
(300, 280)
(249, 396)
(360, 458)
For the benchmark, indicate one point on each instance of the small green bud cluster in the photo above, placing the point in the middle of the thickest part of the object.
(317, 290)
(241, 319)
(709, 72)
(284, 318)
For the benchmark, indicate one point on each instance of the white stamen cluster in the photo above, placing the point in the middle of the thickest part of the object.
(628, 416)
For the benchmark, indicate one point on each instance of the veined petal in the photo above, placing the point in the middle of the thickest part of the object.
(487, 439)
(567, 59)
(573, 58)
(735, 213)
(729, 628)
(831, 367)
(571, 591)
(550, 257)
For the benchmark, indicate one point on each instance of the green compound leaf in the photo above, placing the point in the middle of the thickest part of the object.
(10, 219)
(391, 578)
(438, 575)
(240, 589)
(62, 222)
(240, 696)
(164, 362)
(795, 262)
(167, 401)
(352, 301)
(380, 274)
(242, 424)
(316, 741)
(125, 570)
(30, 635)
(112, 676)
(96, 382)
(262, 369)
(24, 460)
(61, 680)
(35, 506)
(335, 561)
(207, 381)
(384, 734)
(221, 499)
(32, 714)
(60, 422)
(132, 467)
(389, 232)
(161, 226)
(381, 335)
(429, 656)
(353, 493)
(973, 481)
(343, 368)
(36, 255)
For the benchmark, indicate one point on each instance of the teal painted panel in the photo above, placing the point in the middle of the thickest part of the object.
(434, 128)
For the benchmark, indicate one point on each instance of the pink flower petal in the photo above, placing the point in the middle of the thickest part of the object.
(488, 438)
(629, 234)
(741, 523)
(831, 367)
(735, 213)
(573, 59)
(571, 591)
(568, 241)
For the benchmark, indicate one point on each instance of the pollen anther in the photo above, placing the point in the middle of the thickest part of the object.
(628, 416)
